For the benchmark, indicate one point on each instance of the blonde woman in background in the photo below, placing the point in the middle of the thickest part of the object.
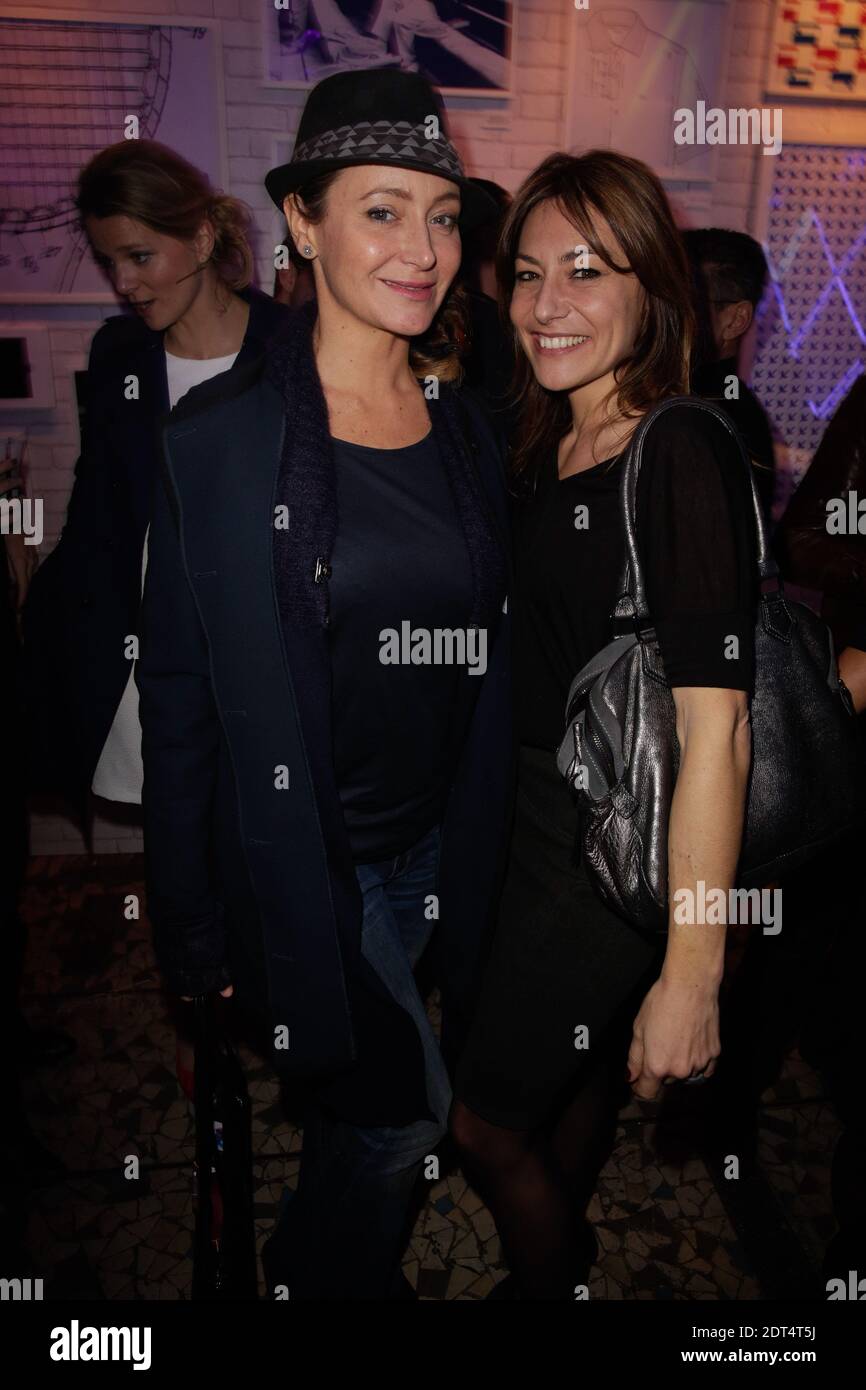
(176, 251)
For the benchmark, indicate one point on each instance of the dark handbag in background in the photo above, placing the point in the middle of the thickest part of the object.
(224, 1258)
(620, 752)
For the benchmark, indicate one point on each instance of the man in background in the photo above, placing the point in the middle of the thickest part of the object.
(730, 272)
(488, 365)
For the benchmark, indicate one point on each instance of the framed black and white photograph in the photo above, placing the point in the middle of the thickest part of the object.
(463, 48)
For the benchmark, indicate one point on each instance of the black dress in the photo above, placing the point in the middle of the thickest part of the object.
(561, 960)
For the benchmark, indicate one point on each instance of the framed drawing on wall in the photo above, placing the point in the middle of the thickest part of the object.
(631, 67)
(818, 49)
(77, 82)
(464, 47)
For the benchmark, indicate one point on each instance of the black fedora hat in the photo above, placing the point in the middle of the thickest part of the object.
(376, 116)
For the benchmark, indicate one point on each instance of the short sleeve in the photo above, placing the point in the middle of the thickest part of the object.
(698, 545)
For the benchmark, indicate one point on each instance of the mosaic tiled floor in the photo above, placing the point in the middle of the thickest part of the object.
(667, 1222)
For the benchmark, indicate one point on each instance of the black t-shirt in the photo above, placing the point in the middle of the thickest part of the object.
(399, 566)
(696, 538)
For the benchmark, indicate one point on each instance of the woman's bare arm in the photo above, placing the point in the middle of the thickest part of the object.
(676, 1030)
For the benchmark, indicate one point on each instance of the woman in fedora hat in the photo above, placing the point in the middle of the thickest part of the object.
(323, 676)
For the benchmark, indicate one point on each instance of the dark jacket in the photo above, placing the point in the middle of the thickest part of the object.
(811, 555)
(255, 884)
(84, 599)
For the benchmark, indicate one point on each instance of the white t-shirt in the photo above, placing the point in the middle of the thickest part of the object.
(119, 773)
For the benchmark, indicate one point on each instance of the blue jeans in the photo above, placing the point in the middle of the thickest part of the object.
(342, 1235)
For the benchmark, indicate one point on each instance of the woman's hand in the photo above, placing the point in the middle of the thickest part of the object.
(22, 561)
(225, 993)
(11, 483)
(676, 1033)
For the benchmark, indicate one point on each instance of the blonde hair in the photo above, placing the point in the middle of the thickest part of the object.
(153, 185)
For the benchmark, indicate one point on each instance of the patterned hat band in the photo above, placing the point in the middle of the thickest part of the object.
(383, 141)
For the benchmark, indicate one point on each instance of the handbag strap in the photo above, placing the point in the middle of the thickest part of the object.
(632, 603)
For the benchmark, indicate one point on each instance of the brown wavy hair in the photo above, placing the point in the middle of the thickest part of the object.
(440, 350)
(627, 194)
(153, 185)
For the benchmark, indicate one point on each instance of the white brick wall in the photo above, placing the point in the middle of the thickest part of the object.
(502, 140)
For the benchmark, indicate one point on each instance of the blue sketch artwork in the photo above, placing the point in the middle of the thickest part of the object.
(79, 83)
(633, 67)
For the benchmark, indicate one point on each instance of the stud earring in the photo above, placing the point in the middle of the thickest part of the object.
(308, 250)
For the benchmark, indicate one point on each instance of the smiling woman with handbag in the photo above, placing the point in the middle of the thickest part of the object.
(595, 279)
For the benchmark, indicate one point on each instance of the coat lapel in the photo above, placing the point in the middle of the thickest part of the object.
(273, 700)
(136, 420)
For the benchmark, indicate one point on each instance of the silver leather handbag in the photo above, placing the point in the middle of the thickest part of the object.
(620, 752)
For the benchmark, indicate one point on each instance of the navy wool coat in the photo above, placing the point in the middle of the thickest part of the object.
(84, 600)
(249, 881)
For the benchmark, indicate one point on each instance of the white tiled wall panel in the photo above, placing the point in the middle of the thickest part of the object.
(501, 140)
